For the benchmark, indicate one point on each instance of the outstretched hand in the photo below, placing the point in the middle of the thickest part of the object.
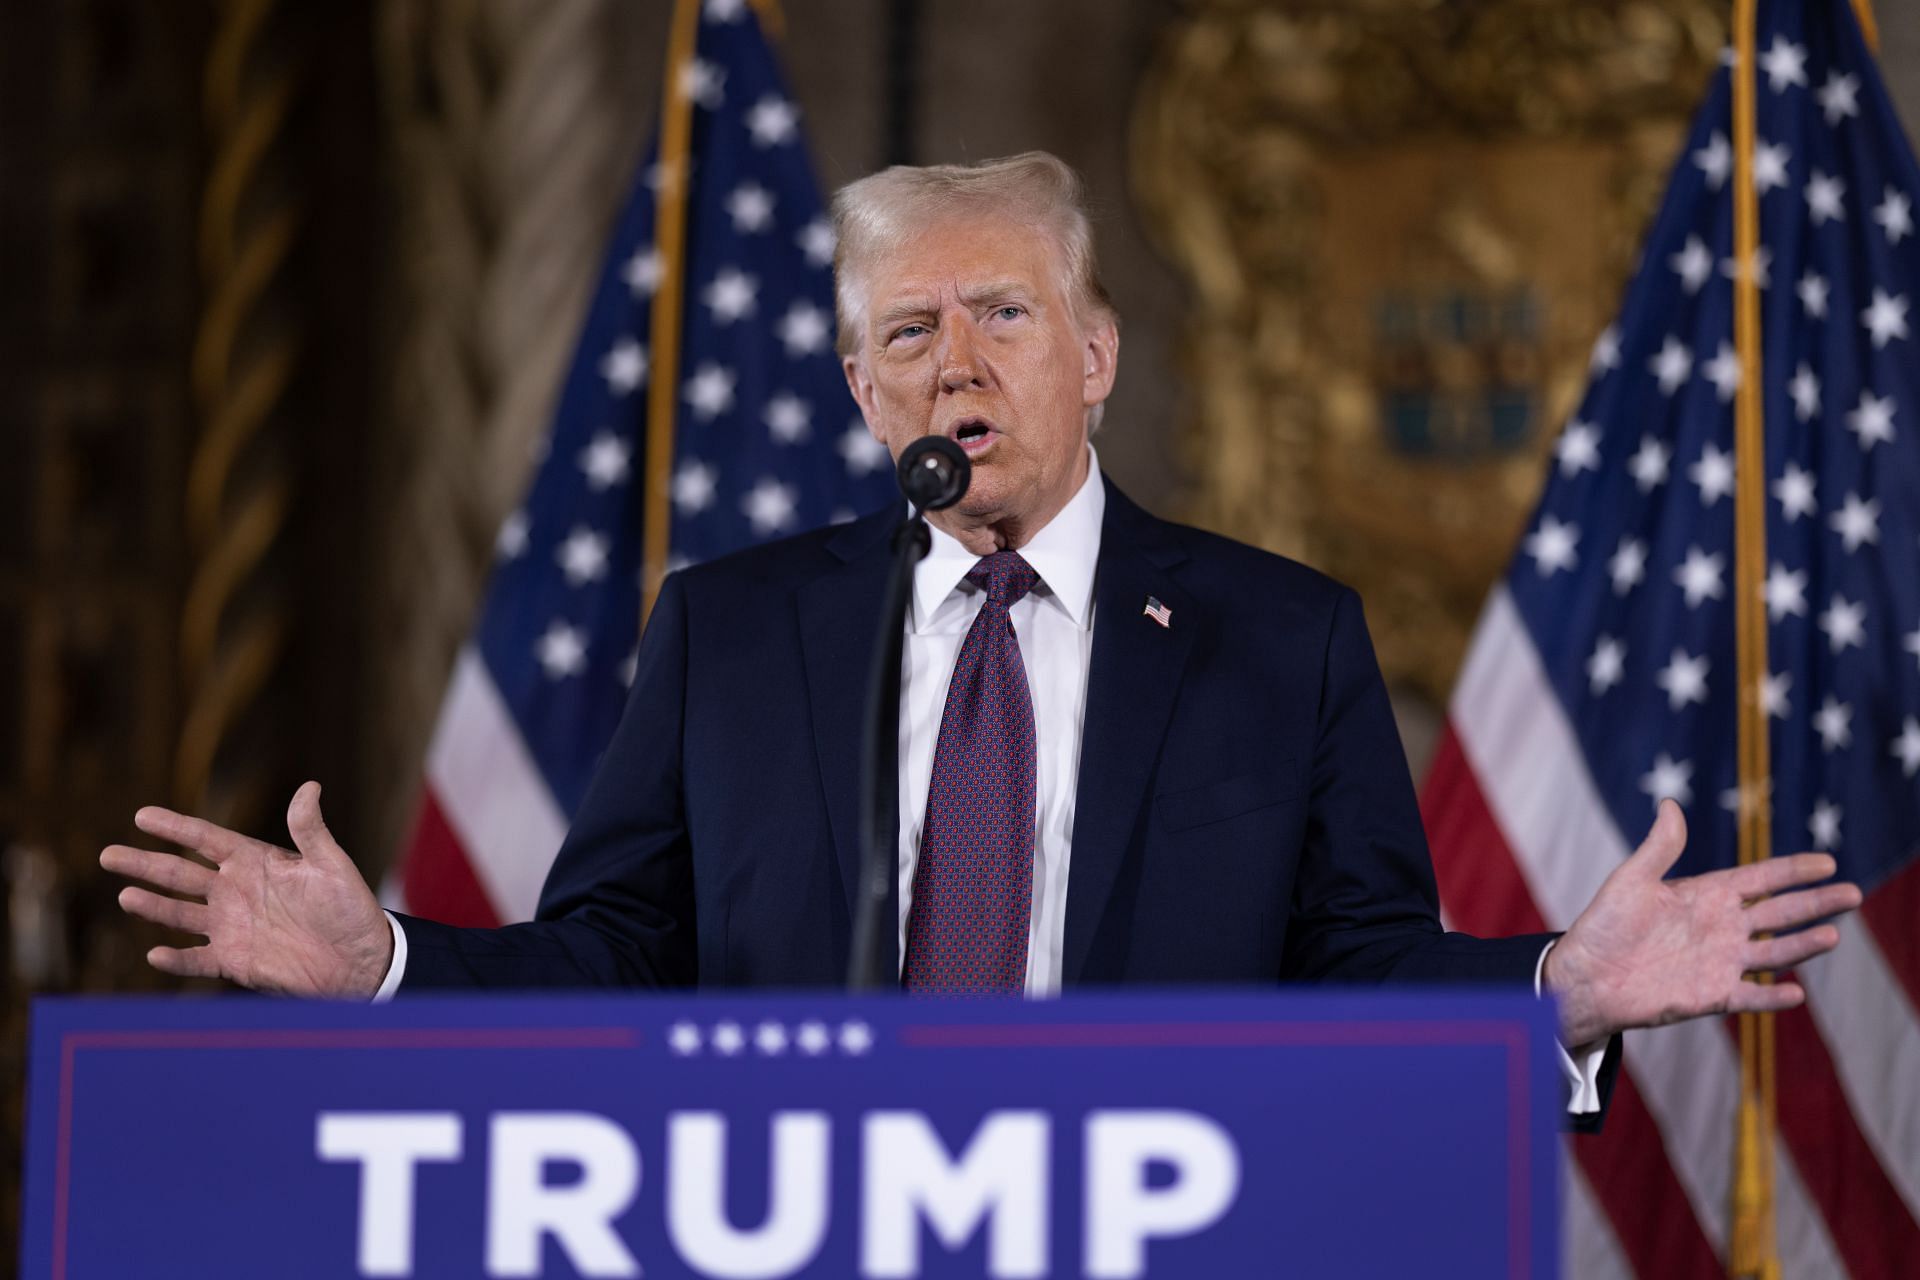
(1648, 951)
(302, 923)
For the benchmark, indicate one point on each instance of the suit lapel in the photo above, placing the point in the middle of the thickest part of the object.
(839, 624)
(1135, 673)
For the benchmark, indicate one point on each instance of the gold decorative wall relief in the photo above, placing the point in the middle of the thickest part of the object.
(1404, 224)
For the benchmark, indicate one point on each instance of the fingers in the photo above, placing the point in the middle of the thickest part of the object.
(1664, 843)
(1784, 953)
(308, 828)
(1774, 874)
(184, 962)
(1766, 997)
(197, 834)
(168, 870)
(173, 913)
(1790, 910)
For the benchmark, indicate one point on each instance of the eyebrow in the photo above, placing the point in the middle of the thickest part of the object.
(977, 295)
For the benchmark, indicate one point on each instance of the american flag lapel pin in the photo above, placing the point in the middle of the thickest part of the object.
(1159, 612)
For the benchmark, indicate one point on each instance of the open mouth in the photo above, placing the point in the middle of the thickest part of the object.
(972, 434)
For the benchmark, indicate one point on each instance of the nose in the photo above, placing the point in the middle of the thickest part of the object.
(959, 355)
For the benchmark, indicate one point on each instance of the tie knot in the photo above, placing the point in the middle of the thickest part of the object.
(1004, 576)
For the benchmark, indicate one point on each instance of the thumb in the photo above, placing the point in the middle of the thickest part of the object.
(309, 829)
(1664, 843)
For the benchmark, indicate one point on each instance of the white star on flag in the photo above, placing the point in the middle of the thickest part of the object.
(1723, 371)
(769, 505)
(1769, 165)
(624, 366)
(1552, 546)
(1834, 723)
(772, 121)
(1762, 268)
(605, 461)
(1794, 489)
(1785, 592)
(1824, 826)
(1872, 420)
(1894, 213)
(1805, 390)
(1628, 566)
(1579, 448)
(1606, 350)
(512, 539)
(710, 391)
(804, 330)
(1715, 160)
(1606, 665)
(583, 556)
(1648, 466)
(641, 273)
(1906, 747)
(750, 206)
(1699, 577)
(693, 487)
(1837, 97)
(1857, 521)
(562, 650)
(1824, 198)
(704, 83)
(1785, 63)
(818, 242)
(1844, 623)
(860, 451)
(788, 418)
(1713, 473)
(723, 11)
(1813, 294)
(1912, 645)
(730, 295)
(1669, 779)
(1774, 690)
(1885, 317)
(1684, 678)
(1693, 264)
(1673, 365)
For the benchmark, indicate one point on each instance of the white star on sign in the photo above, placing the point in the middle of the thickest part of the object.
(770, 1038)
(1845, 623)
(1823, 198)
(804, 330)
(1606, 350)
(1785, 63)
(703, 82)
(813, 1038)
(709, 391)
(1715, 160)
(769, 506)
(624, 367)
(1857, 522)
(1773, 694)
(817, 241)
(750, 205)
(1762, 267)
(642, 272)
(1713, 473)
(1552, 546)
(562, 650)
(1673, 365)
(1699, 577)
(605, 460)
(1648, 467)
(860, 451)
(1872, 420)
(512, 540)
(1886, 318)
(1785, 592)
(788, 418)
(1579, 448)
(1769, 166)
(1894, 213)
(855, 1038)
(583, 556)
(1805, 390)
(1837, 97)
(1606, 665)
(1906, 747)
(730, 295)
(1693, 264)
(1834, 723)
(1813, 294)
(1684, 679)
(684, 1038)
(727, 1038)
(1669, 779)
(1723, 371)
(1824, 825)
(693, 487)
(1794, 489)
(1628, 565)
(772, 121)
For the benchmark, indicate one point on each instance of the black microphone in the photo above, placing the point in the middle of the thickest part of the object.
(934, 473)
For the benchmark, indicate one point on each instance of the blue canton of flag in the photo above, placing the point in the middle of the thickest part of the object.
(768, 442)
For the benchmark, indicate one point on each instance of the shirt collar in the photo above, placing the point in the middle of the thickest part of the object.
(1064, 553)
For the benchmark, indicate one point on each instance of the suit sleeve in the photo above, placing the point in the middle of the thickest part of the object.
(617, 908)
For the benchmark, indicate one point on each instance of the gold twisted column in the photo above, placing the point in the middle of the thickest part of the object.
(232, 634)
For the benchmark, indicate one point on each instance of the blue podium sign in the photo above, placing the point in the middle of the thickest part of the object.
(1182, 1135)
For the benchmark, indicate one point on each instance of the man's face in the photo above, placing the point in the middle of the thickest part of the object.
(969, 334)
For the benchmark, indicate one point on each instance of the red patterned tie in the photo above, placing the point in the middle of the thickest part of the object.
(973, 884)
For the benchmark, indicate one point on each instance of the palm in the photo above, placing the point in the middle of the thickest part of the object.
(1649, 951)
(303, 923)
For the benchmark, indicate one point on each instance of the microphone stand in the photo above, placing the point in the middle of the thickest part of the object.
(879, 769)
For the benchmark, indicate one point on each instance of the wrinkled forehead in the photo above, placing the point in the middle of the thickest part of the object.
(966, 254)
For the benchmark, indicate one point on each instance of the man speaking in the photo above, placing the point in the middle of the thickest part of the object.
(1129, 751)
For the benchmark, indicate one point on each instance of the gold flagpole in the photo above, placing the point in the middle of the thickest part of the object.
(1869, 29)
(1751, 1250)
(669, 241)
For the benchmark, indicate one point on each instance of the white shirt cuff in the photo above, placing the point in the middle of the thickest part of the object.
(1583, 1074)
(398, 969)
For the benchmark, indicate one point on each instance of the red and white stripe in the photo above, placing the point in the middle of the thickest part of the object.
(488, 827)
(1521, 841)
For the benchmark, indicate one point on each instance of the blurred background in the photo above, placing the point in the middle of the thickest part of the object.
(290, 288)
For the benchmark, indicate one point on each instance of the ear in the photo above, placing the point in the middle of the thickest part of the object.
(860, 383)
(1101, 349)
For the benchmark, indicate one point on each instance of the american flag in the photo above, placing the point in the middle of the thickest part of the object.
(1602, 676)
(768, 442)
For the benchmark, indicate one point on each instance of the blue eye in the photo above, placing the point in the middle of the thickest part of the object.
(1010, 312)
